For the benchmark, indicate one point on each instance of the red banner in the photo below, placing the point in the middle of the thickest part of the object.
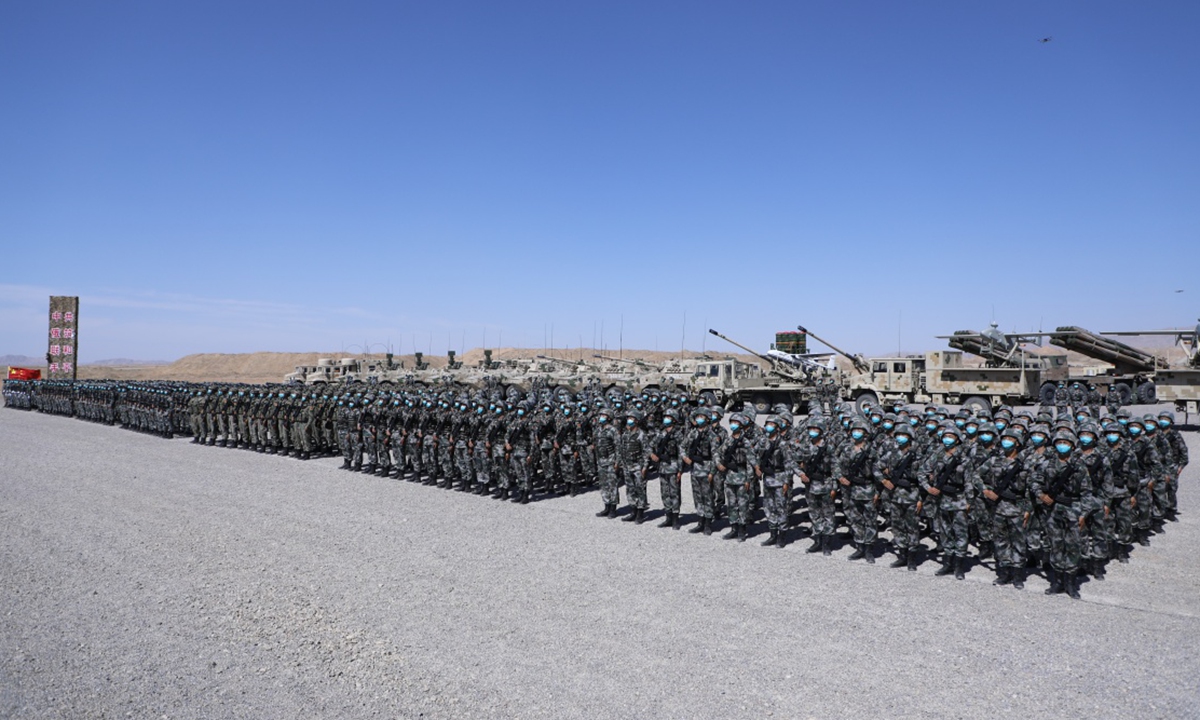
(16, 373)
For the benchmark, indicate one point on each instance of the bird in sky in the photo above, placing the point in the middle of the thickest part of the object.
(1045, 39)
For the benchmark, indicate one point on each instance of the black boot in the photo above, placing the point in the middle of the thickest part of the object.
(346, 464)
(667, 520)
(743, 533)
(912, 561)
(960, 568)
(1018, 578)
(631, 516)
(733, 531)
(1071, 585)
(947, 566)
(816, 546)
(901, 560)
(675, 521)
(782, 539)
(826, 545)
(1098, 571)
(772, 538)
(859, 553)
(699, 526)
(985, 549)
(612, 511)
(604, 512)
(1055, 582)
(641, 516)
(869, 553)
(1003, 576)
(708, 526)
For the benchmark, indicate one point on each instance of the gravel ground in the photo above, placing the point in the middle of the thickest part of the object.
(148, 578)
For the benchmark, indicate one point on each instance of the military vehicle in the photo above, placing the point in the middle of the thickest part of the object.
(1178, 384)
(1133, 370)
(941, 377)
(734, 383)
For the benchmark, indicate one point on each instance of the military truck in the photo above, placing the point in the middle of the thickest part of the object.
(1178, 384)
(734, 383)
(941, 377)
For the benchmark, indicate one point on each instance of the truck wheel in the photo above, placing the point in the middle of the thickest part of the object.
(1046, 394)
(865, 401)
(1147, 394)
(1124, 393)
(978, 404)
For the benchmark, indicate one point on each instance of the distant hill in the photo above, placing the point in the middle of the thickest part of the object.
(126, 361)
(22, 360)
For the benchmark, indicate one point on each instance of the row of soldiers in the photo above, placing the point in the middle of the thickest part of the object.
(1064, 490)
(155, 406)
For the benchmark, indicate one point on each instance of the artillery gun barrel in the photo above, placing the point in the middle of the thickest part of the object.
(859, 364)
(1123, 357)
(972, 342)
(564, 361)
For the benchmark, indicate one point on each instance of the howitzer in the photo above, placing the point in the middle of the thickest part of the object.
(777, 367)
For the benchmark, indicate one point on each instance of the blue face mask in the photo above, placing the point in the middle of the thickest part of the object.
(902, 439)
(914, 422)
(566, 412)
(972, 429)
(700, 421)
(630, 422)
(986, 437)
(1123, 421)
(888, 425)
(949, 441)
(1080, 418)
(857, 434)
(1164, 424)
(1135, 430)
(931, 426)
(1086, 440)
(1112, 438)
(770, 429)
(1062, 448)
(959, 423)
(814, 434)
(733, 427)
(1008, 444)
(520, 413)
(667, 422)
(1000, 424)
(602, 420)
(875, 419)
(1038, 439)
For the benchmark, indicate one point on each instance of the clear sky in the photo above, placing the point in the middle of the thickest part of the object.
(240, 176)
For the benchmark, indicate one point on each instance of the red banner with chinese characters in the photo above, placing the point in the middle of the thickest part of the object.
(18, 373)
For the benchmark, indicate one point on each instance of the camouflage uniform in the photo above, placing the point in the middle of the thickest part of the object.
(1062, 484)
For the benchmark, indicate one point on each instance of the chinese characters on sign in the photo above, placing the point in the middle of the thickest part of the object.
(64, 325)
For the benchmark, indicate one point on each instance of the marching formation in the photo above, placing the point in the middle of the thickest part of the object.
(1063, 491)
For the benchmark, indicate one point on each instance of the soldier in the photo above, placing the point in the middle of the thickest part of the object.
(1061, 483)
(944, 478)
(634, 451)
(859, 493)
(774, 464)
(607, 444)
(898, 472)
(520, 442)
(664, 455)
(1149, 464)
(733, 462)
(1123, 462)
(1099, 531)
(1004, 484)
(1174, 451)
(817, 470)
(699, 447)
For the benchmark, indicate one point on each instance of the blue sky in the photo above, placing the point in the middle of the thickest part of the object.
(242, 176)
